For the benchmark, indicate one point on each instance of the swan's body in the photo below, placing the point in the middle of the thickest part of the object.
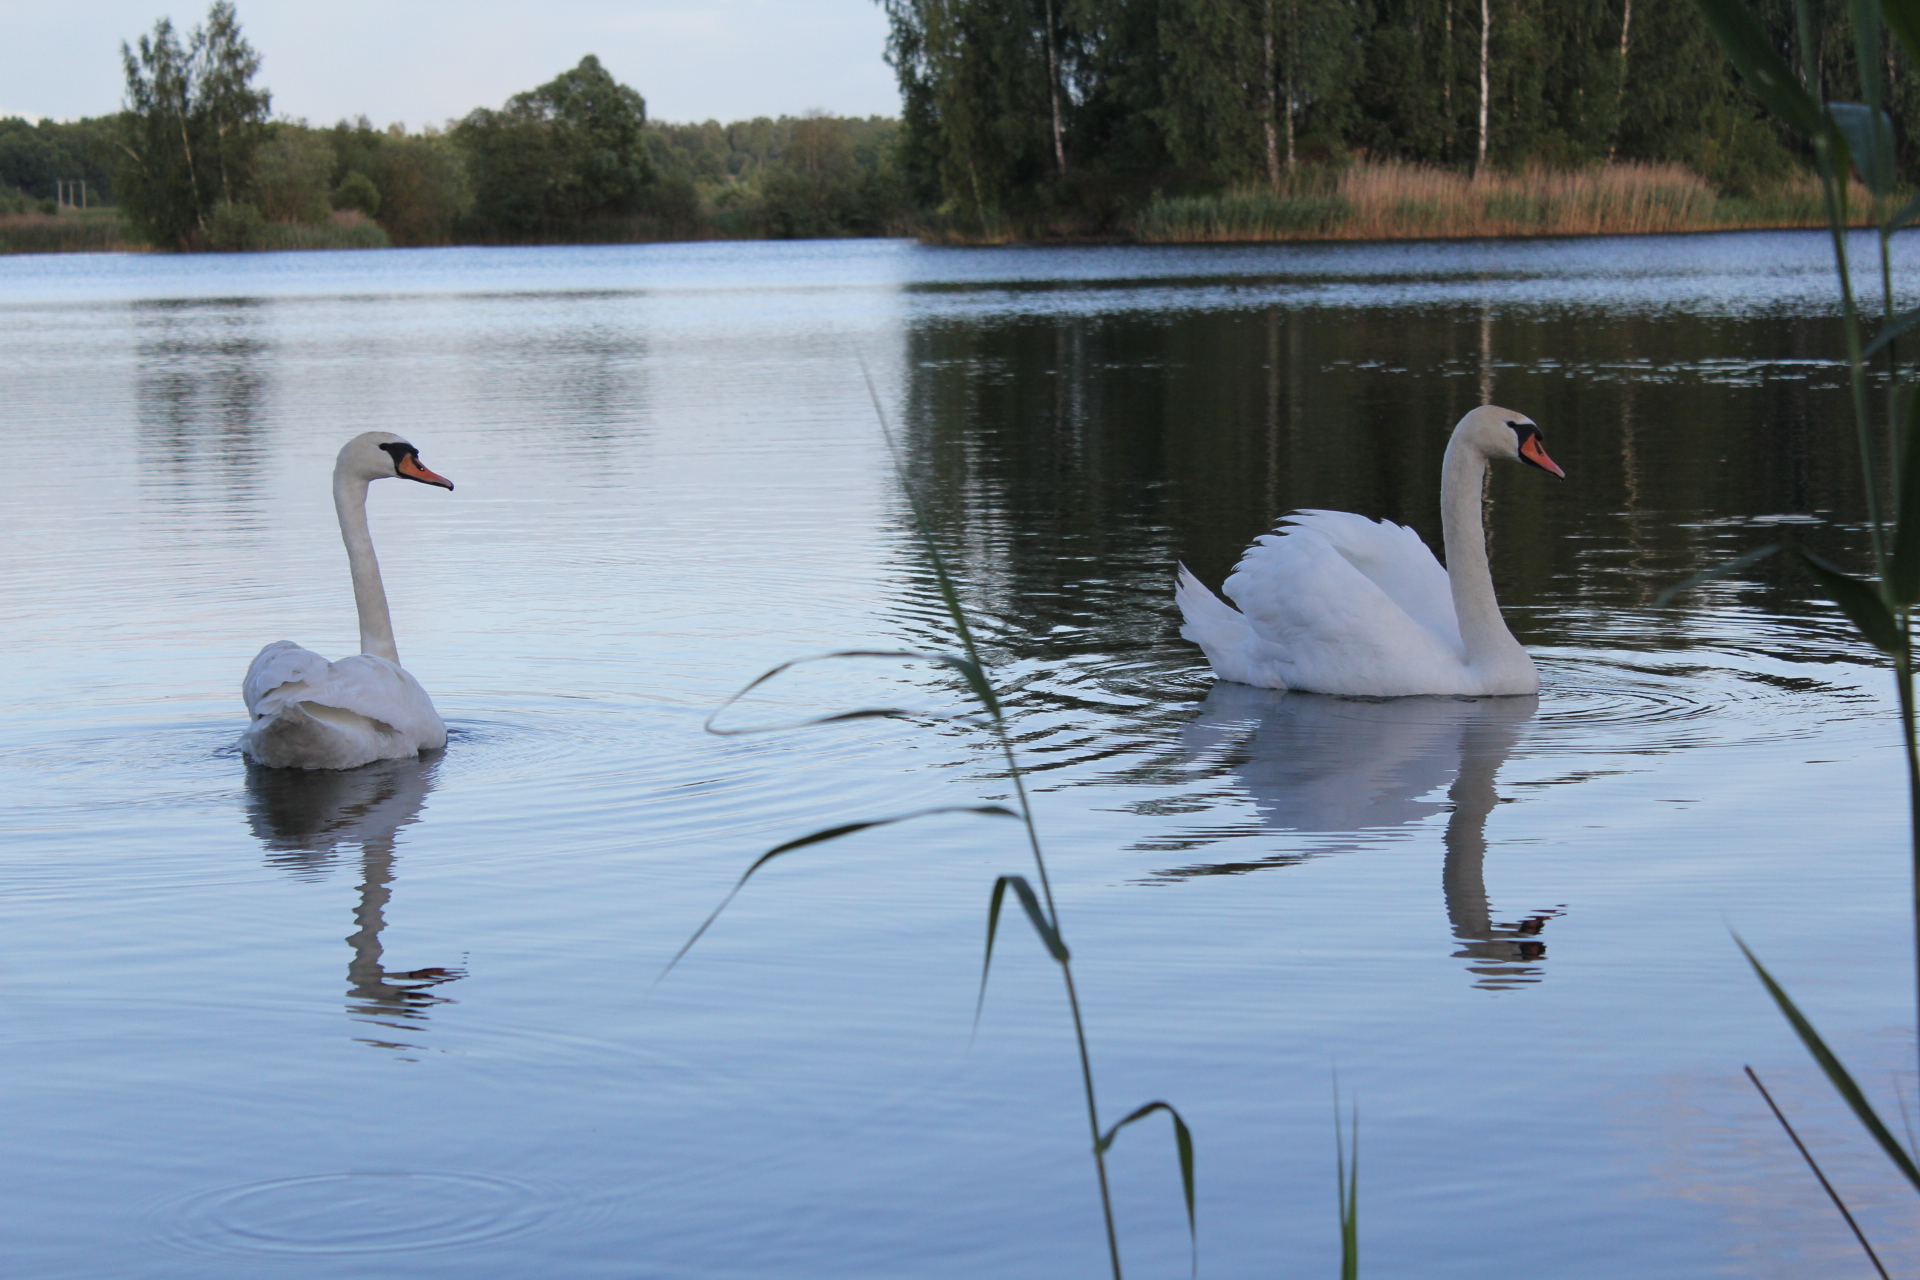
(309, 713)
(1337, 603)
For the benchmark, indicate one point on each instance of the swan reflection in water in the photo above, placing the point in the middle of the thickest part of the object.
(1318, 765)
(307, 818)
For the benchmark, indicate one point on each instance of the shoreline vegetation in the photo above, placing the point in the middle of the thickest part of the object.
(1367, 201)
(1398, 201)
(1125, 121)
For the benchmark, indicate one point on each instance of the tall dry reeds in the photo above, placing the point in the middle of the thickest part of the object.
(94, 231)
(1377, 200)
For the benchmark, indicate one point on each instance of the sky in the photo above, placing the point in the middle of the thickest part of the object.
(420, 62)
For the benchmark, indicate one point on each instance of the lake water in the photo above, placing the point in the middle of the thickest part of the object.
(400, 1022)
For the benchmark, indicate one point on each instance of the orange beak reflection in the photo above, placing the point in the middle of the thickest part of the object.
(409, 466)
(1531, 449)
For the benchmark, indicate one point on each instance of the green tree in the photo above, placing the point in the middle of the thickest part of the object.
(35, 157)
(415, 185)
(1243, 77)
(573, 149)
(192, 122)
(976, 79)
(292, 172)
(817, 188)
(424, 188)
(357, 192)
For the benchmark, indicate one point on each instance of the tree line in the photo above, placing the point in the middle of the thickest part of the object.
(1043, 116)
(1064, 113)
(196, 160)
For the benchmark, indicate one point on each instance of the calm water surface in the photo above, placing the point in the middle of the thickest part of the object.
(397, 1022)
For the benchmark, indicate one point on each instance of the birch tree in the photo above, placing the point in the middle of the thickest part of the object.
(191, 123)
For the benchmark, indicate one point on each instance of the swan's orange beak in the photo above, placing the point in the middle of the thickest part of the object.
(1531, 450)
(410, 467)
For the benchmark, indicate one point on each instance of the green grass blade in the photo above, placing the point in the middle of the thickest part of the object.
(968, 669)
(1751, 51)
(1858, 600)
(1183, 1142)
(1030, 903)
(1814, 1165)
(1903, 566)
(1869, 138)
(1837, 1074)
(1866, 46)
(986, 959)
(820, 837)
(1727, 569)
(1908, 212)
(1347, 1184)
(949, 597)
(1049, 936)
(1894, 328)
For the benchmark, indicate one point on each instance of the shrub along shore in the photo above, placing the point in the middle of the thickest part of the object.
(1365, 201)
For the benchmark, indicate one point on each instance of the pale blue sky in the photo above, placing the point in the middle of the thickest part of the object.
(427, 61)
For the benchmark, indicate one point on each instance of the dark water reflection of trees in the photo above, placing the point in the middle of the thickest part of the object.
(1069, 456)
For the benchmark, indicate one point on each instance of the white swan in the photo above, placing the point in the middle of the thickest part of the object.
(1338, 603)
(309, 713)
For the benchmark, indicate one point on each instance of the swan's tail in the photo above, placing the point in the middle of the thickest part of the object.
(310, 735)
(1223, 634)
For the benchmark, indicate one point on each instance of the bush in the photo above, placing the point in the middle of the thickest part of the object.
(356, 191)
(291, 172)
(423, 187)
(234, 227)
(347, 229)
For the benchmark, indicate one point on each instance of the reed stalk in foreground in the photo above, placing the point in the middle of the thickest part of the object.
(1042, 913)
(1856, 138)
(1347, 1163)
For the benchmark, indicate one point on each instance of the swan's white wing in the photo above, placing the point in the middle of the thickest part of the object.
(1394, 558)
(1234, 650)
(280, 664)
(335, 714)
(1336, 629)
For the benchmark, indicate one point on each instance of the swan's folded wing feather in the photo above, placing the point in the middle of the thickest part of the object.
(277, 666)
(1339, 631)
(384, 691)
(1234, 650)
(1394, 559)
(368, 686)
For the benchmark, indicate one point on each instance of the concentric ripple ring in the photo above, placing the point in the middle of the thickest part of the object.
(361, 1212)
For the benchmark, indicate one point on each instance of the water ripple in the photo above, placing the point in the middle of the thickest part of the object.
(387, 1211)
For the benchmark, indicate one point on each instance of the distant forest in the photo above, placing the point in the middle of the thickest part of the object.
(1021, 117)
(195, 161)
(1065, 112)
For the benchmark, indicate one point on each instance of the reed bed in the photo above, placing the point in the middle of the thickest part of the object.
(1395, 201)
(338, 233)
(105, 231)
(91, 231)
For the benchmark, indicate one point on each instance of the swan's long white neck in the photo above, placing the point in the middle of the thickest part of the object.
(369, 597)
(1483, 632)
